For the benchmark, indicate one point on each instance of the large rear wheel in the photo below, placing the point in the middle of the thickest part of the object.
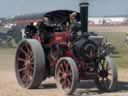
(66, 75)
(30, 63)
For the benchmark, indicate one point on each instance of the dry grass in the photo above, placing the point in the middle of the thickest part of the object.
(115, 35)
(109, 28)
(6, 59)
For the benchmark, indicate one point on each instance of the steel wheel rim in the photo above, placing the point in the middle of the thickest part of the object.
(105, 74)
(64, 75)
(25, 64)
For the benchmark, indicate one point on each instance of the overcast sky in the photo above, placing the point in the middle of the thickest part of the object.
(9, 8)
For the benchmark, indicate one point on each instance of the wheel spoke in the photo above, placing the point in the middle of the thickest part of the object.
(64, 84)
(27, 76)
(61, 79)
(22, 69)
(65, 65)
(24, 77)
(67, 68)
(30, 55)
(69, 74)
(31, 67)
(31, 59)
(62, 68)
(108, 80)
(21, 59)
(30, 75)
(64, 62)
(108, 68)
(68, 83)
(23, 51)
(100, 78)
(109, 76)
(28, 49)
(29, 52)
(26, 46)
(99, 67)
(109, 73)
(60, 73)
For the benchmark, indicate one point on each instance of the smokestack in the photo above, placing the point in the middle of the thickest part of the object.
(84, 16)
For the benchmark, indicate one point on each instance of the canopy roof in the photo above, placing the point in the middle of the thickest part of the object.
(55, 16)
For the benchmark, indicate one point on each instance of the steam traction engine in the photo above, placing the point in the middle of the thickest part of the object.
(70, 54)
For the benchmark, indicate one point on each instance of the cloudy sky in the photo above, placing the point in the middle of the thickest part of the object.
(10, 8)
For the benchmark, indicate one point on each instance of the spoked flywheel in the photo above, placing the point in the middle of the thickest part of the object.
(66, 75)
(30, 63)
(107, 74)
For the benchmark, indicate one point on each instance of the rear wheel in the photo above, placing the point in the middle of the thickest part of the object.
(66, 75)
(107, 74)
(30, 63)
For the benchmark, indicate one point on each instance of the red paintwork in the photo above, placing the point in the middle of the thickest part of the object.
(27, 21)
(69, 53)
(59, 38)
(63, 38)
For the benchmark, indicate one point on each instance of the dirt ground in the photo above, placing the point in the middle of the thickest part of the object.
(10, 87)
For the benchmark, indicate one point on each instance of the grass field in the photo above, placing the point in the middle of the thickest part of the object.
(118, 41)
(115, 35)
(2, 29)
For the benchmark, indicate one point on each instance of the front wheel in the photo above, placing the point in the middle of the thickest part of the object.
(66, 75)
(107, 74)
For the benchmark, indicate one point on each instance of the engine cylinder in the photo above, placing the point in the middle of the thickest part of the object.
(85, 49)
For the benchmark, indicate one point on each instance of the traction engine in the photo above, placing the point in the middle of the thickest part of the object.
(68, 54)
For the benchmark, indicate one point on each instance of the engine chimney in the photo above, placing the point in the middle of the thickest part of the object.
(84, 15)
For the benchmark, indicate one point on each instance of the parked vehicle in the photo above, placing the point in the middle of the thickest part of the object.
(4, 39)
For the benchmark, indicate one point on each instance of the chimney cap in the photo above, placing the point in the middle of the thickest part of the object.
(84, 1)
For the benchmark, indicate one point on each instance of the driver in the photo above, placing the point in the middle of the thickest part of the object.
(46, 20)
(75, 26)
(73, 17)
(44, 30)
